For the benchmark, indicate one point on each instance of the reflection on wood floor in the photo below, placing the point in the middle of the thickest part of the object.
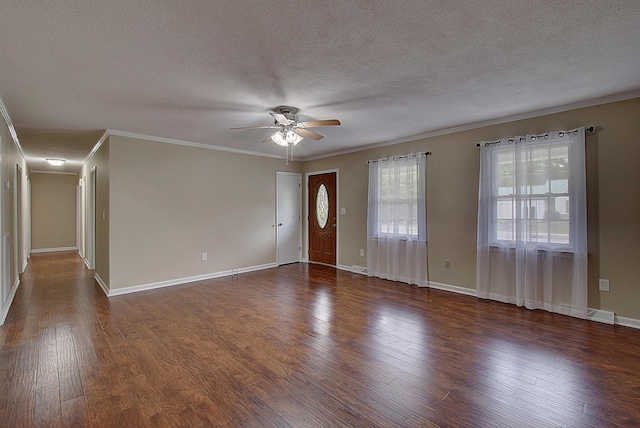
(301, 345)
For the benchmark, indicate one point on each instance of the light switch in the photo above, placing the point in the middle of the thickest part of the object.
(343, 211)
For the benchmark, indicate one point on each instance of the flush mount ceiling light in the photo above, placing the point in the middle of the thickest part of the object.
(56, 162)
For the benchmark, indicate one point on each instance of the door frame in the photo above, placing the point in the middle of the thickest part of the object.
(305, 233)
(20, 220)
(90, 238)
(79, 219)
(27, 226)
(299, 196)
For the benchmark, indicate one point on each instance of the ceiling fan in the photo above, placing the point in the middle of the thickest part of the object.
(290, 130)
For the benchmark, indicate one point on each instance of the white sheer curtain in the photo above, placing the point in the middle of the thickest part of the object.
(396, 219)
(532, 222)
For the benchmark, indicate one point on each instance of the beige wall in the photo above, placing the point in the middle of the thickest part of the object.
(100, 161)
(53, 211)
(171, 203)
(613, 174)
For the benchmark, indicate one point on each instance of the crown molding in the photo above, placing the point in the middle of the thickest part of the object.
(95, 148)
(538, 113)
(188, 143)
(12, 130)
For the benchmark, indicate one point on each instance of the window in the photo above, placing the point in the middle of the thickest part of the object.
(532, 222)
(396, 219)
(397, 199)
(531, 199)
(322, 206)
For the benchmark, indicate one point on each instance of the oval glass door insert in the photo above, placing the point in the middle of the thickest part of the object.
(322, 206)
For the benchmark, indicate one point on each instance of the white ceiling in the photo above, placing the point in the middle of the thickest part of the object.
(390, 71)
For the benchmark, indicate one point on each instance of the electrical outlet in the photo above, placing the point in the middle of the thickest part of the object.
(204, 256)
(604, 285)
(447, 264)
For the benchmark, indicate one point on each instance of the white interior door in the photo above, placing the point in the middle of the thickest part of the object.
(288, 217)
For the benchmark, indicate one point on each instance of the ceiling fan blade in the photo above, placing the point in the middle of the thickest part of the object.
(314, 123)
(309, 134)
(258, 127)
(280, 118)
(266, 140)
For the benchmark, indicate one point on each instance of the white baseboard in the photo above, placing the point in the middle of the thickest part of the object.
(5, 311)
(627, 322)
(452, 288)
(52, 250)
(178, 281)
(12, 294)
(102, 284)
(597, 315)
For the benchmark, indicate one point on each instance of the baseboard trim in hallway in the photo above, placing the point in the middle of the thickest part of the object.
(9, 302)
(52, 250)
(179, 281)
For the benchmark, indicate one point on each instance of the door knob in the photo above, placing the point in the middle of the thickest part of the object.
(279, 224)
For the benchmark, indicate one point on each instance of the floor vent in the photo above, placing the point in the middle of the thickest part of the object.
(358, 269)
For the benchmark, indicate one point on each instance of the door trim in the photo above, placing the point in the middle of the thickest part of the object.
(305, 232)
(21, 259)
(91, 200)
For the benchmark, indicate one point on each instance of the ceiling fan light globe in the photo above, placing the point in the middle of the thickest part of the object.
(279, 139)
(292, 137)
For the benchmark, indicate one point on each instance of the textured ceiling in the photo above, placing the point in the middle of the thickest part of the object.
(388, 70)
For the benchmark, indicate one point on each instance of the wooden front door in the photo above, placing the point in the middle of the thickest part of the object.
(322, 218)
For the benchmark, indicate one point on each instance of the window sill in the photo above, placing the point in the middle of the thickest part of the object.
(399, 238)
(558, 249)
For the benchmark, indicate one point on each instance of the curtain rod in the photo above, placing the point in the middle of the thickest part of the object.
(399, 157)
(589, 129)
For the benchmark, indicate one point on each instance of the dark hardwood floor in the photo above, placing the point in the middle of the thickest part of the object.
(301, 345)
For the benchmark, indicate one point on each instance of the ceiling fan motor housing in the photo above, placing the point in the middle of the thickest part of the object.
(288, 112)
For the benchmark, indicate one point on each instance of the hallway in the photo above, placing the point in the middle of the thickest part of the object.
(47, 340)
